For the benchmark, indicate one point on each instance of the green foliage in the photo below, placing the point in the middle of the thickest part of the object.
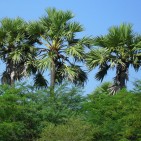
(16, 49)
(102, 89)
(73, 130)
(137, 87)
(61, 50)
(11, 131)
(18, 115)
(66, 103)
(119, 49)
(115, 117)
(24, 110)
(30, 114)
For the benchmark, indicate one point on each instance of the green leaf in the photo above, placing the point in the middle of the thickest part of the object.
(16, 56)
(44, 63)
(76, 51)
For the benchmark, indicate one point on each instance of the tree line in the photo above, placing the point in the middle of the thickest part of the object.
(28, 114)
(51, 43)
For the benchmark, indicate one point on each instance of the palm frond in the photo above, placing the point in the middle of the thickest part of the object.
(77, 51)
(72, 41)
(59, 15)
(97, 57)
(55, 22)
(5, 78)
(81, 76)
(100, 41)
(74, 27)
(34, 30)
(86, 42)
(103, 69)
(16, 56)
(113, 89)
(71, 73)
(31, 68)
(40, 81)
(44, 63)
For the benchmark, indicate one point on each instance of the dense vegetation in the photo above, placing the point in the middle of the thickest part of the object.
(29, 114)
(57, 109)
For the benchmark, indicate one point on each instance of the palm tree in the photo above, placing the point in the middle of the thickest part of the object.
(120, 49)
(16, 49)
(62, 50)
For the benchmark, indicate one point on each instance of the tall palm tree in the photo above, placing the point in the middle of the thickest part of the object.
(62, 50)
(16, 49)
(120, 49)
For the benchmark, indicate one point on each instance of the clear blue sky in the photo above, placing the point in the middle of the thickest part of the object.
(95, 15)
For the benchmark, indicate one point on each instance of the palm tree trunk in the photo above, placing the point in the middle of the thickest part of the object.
(52, 78)
(122, 80)
(122, 75)
(11, 72)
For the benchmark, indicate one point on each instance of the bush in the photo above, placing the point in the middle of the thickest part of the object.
(137, 87)
(116, 117)
(25, 110)
(19, 119)
(72, 130)
(11, 131)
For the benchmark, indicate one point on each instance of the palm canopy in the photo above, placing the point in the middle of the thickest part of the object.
(16, 49)
(62, 50)
(119, 49)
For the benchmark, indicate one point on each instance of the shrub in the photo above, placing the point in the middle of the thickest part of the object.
(116, 117)
(72, 130)
(25, 110)
(11, 131)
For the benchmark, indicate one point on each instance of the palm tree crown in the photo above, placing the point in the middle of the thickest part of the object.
(16, 48)
(62, 49)
(119, 49)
